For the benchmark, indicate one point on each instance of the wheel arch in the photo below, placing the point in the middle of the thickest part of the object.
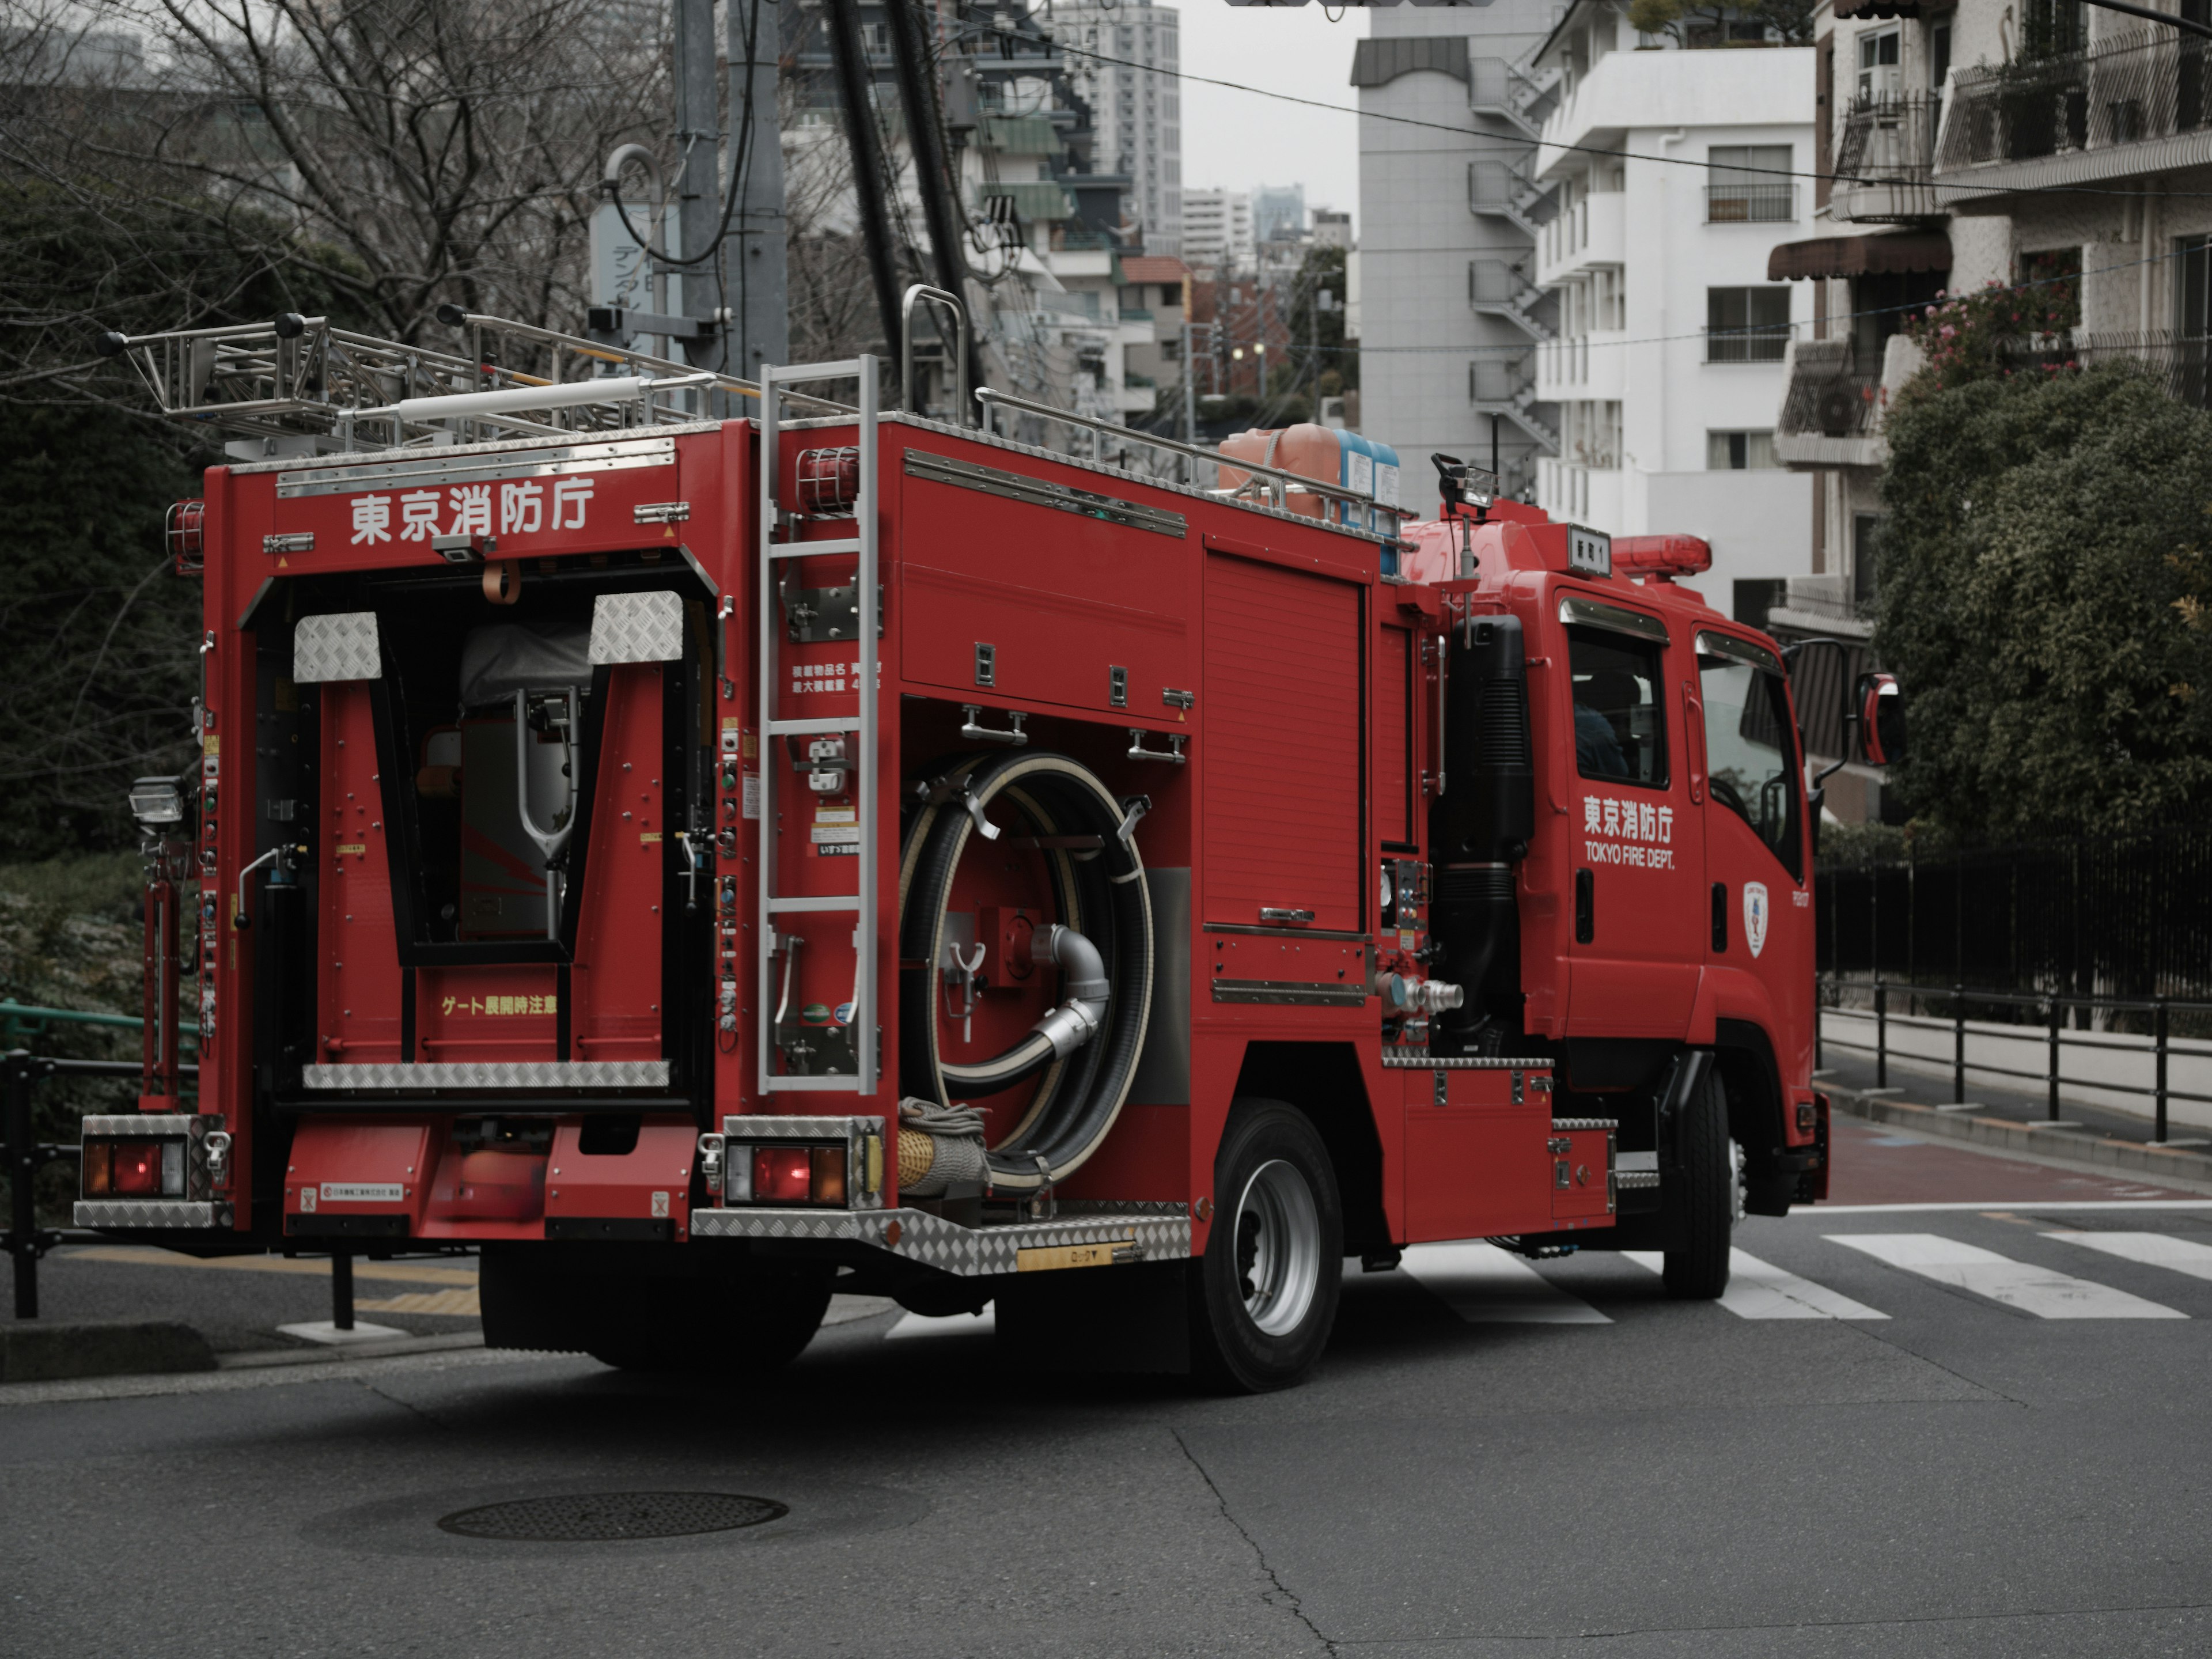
(1322, 1081)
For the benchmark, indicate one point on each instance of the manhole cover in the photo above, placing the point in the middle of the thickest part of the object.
(595, 1516)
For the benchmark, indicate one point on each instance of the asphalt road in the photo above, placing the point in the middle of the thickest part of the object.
(1909, 1430)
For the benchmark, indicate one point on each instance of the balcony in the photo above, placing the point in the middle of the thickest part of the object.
(1833, 406)
(1753, 204)
(1592, 232)
(1823, 605)
(1883, 164)
(2139, 100)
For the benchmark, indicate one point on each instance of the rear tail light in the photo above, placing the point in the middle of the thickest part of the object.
(780, 1175)
(829, 480)
(135, 1169)
(786, 1175)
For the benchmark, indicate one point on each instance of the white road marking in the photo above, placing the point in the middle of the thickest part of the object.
(914, 1324)
(1486, 1286)
(1819, 1211)
(2184, 1255)
(2042, 1292)
(1759, 1290)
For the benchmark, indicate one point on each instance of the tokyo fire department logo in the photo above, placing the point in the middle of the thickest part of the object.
(1755, 915)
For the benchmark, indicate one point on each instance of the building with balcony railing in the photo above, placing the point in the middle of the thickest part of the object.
(1879, 246)
(1670, 169)
(1449, 216)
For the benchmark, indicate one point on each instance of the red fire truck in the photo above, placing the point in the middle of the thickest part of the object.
(697, 860)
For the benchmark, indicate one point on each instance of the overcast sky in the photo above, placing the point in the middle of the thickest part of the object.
(1234, 140)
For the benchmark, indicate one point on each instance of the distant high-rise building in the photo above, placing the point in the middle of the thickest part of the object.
(1454, 205)
(1136, 106)
(1278, 212)
(1217, 230)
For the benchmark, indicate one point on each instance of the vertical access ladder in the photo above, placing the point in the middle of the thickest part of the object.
(860, 733)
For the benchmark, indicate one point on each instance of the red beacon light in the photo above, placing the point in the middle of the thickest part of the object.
(1663, 556)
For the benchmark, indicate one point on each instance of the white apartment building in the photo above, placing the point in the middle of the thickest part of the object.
(1217, 231)
(1672, 167)
(1440, 368)
(1136, 106)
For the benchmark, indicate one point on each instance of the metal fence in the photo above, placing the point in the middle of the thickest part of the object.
(2085, 916)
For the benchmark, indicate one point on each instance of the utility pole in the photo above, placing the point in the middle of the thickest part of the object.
(1190, 387)
(917, 81)
(760, 328)
(698, 191)
(855, 78)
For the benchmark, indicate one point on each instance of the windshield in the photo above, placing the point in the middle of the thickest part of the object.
(1751, 752)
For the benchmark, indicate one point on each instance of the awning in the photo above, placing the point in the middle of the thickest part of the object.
(1877, 7)
(1860, 256)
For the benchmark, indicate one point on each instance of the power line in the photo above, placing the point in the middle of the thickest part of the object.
(1984, 190)
(1987, 291)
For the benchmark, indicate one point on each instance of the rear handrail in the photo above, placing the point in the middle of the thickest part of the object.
(944, 301)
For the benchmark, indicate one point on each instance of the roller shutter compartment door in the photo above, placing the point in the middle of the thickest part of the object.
(1282, 751)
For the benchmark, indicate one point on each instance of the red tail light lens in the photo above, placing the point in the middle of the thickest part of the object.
(781, 1175)
(137, 1167)
(794, 1175)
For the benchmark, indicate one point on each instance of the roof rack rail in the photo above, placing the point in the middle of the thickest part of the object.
(310, 388)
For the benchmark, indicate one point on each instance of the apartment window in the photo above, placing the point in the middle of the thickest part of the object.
(1739, 452)
(1881, 75)
(1749, 184)
(1747, 324)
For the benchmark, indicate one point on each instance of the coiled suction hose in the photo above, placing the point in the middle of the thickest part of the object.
(1087, 1047)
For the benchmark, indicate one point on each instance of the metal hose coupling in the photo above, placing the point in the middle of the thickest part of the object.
(1434, 996)
(1079, 1019)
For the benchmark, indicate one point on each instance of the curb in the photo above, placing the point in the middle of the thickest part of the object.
(31, 1352)
(2052, 1143)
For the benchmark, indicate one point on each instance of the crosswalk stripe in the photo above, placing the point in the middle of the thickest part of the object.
(2183, 1255)
(1759, 1290)
(914, 1324)
(2043, 1292)
(1486, 1286)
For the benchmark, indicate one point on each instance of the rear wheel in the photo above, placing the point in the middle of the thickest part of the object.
(1698, 1269)
(1264, 1295)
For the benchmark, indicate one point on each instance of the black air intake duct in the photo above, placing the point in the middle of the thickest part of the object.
(1480, 828)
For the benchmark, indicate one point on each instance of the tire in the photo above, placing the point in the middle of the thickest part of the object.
(1263, 1298)
(736, 1330)
(1698, 1269)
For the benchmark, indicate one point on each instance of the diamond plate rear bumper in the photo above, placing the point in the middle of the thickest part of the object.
(1147, 1232)
(119, 1212)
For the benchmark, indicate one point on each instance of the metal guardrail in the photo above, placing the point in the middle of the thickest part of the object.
(2054, 1007)
(1738, 204)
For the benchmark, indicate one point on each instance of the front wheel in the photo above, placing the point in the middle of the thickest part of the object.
(1698, 1269)
(1264, 1295)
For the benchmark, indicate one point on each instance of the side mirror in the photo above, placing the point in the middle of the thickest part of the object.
(1881, 719)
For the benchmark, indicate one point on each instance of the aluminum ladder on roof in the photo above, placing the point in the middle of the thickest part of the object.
(769, 620)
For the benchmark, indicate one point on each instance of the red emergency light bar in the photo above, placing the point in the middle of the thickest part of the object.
(1661, 556)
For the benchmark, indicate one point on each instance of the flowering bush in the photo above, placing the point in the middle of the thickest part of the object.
(1992, 334)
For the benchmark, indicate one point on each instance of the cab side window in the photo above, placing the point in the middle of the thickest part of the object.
(1621, 717)
(1751, 753)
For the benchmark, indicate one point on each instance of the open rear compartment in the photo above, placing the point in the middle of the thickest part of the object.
(473, 981)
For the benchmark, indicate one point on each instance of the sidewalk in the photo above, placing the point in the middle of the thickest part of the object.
(2014, 1121)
